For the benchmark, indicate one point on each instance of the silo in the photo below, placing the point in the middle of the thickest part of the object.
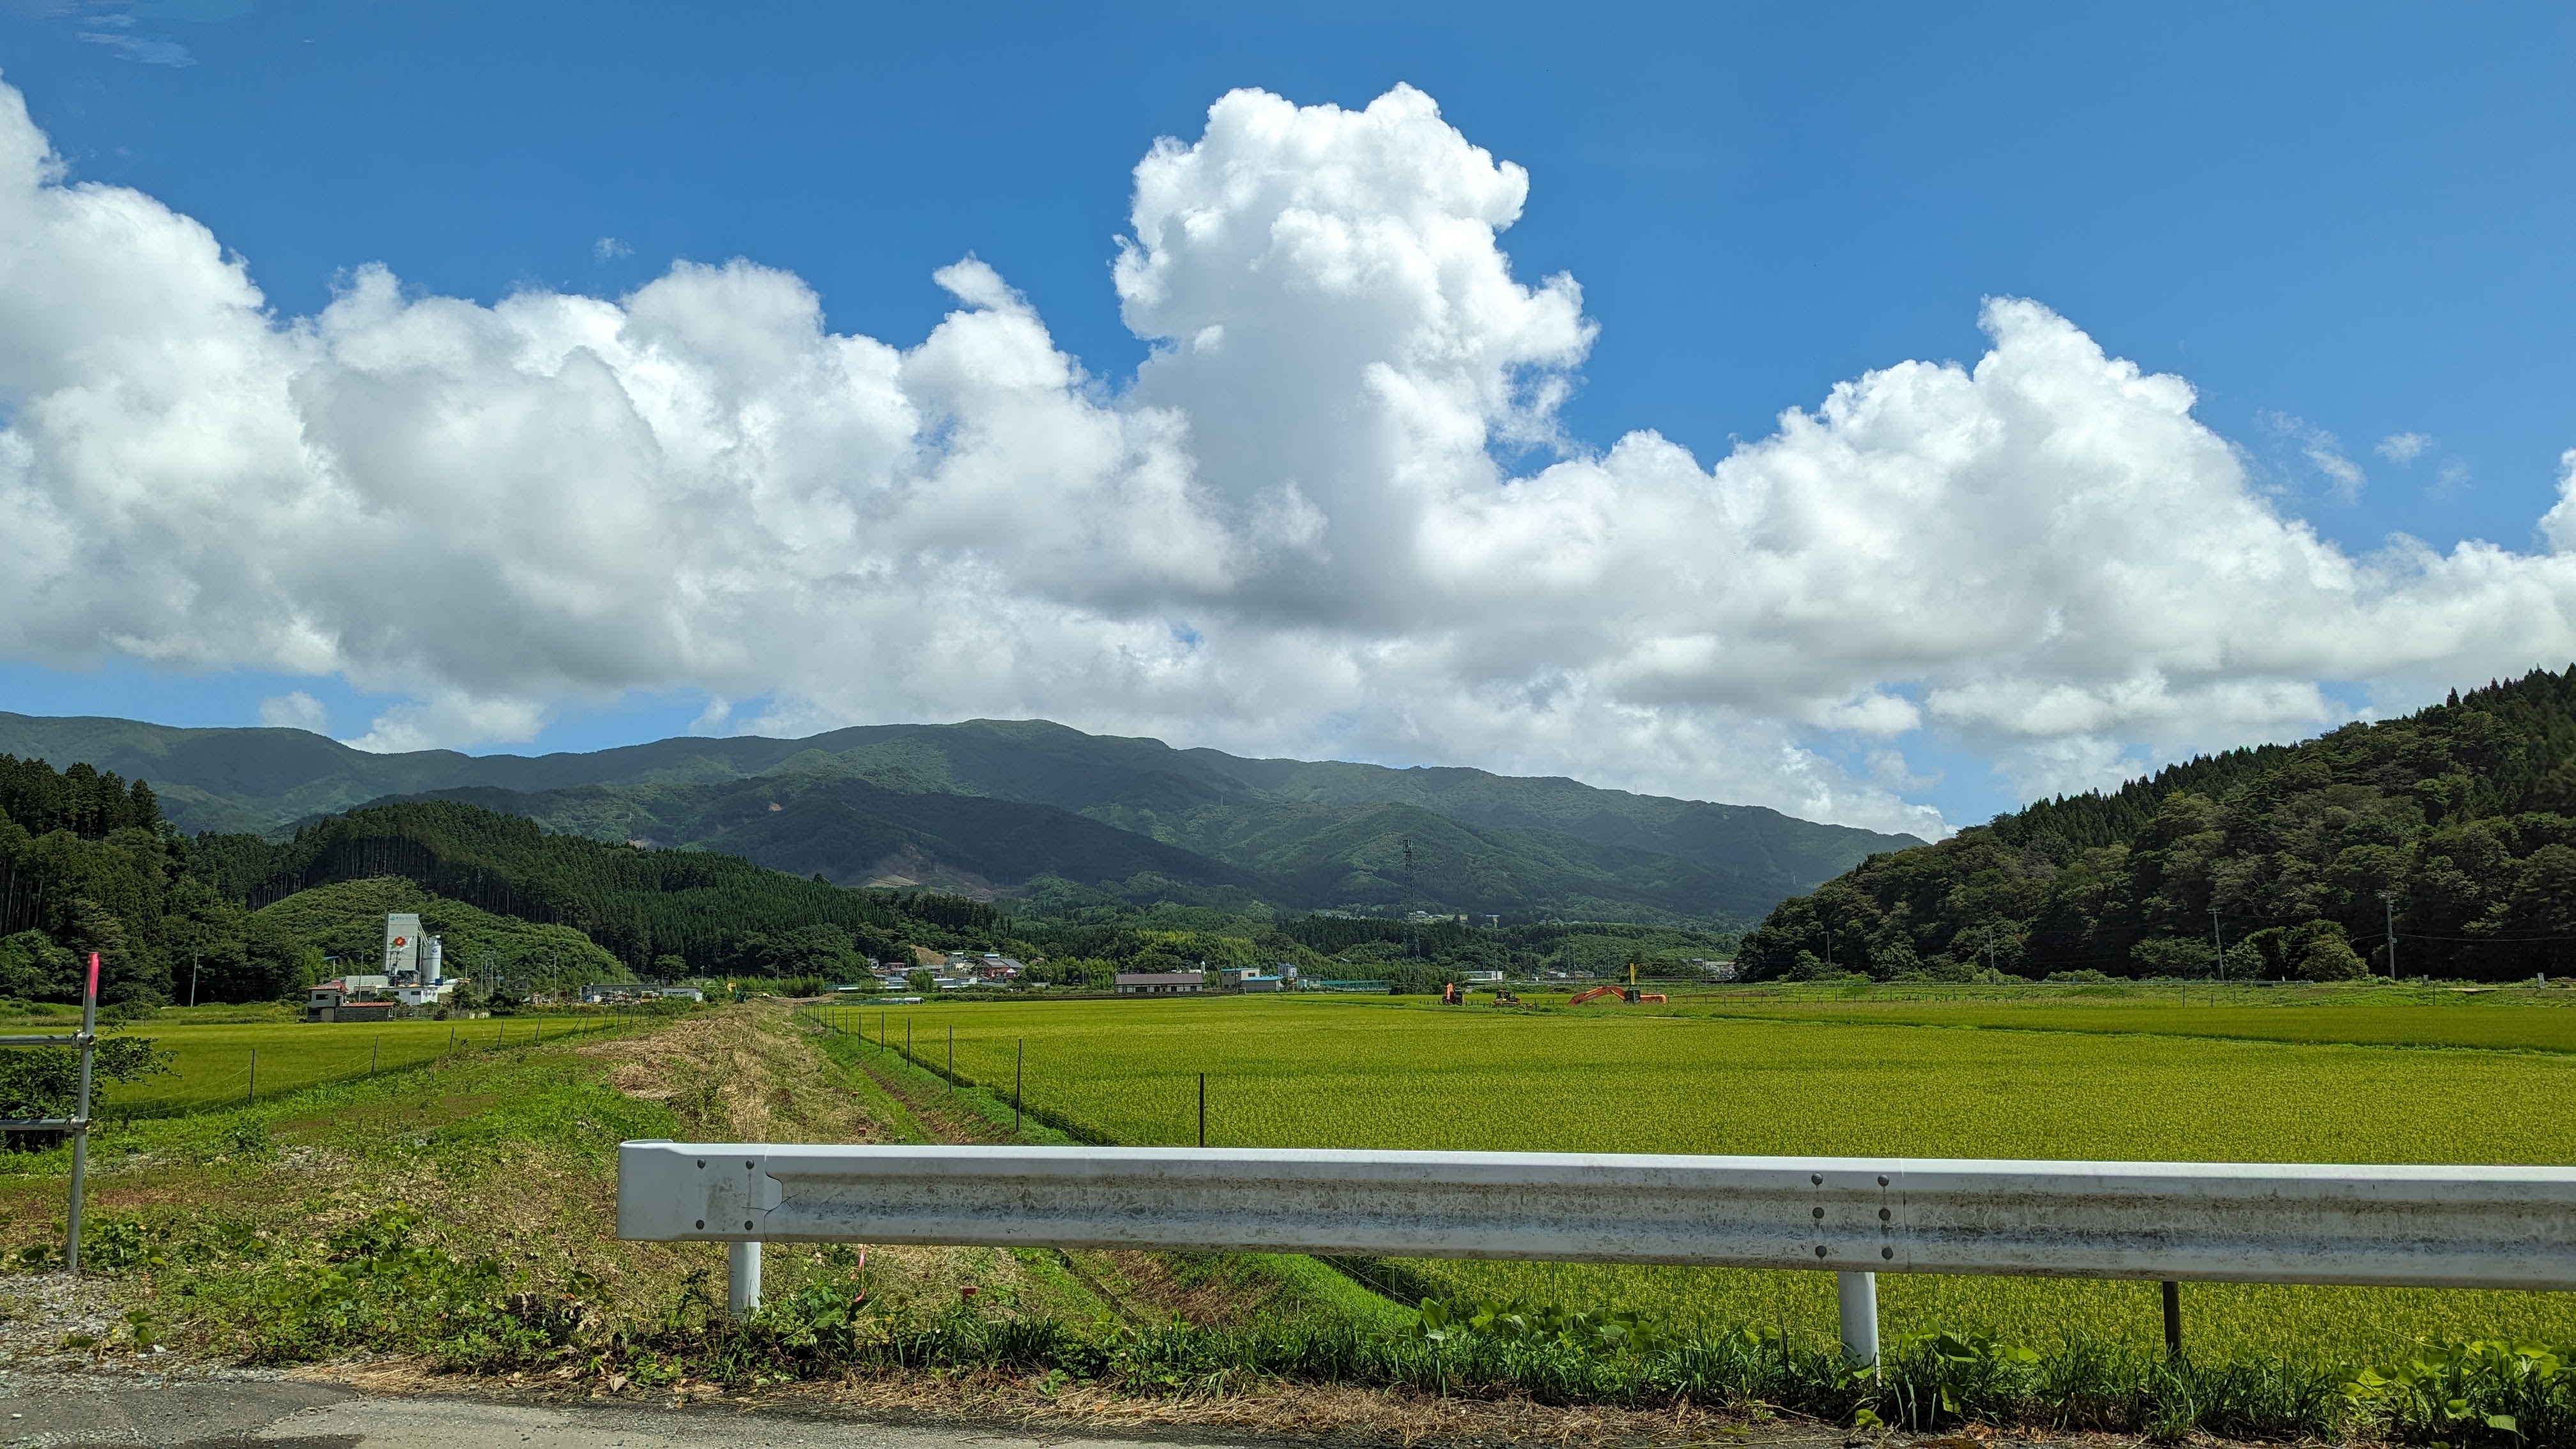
(402, 946)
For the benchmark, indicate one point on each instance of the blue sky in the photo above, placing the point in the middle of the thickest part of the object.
(2344, 221)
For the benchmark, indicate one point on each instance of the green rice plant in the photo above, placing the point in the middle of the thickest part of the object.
(1356, 1073)
(211, 1066)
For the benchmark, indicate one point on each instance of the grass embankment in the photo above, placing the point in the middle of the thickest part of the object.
(1356, 1072)
(464, 1211)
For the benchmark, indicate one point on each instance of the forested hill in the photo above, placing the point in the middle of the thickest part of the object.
(2465, 811)
(662, 911)
(87, 864)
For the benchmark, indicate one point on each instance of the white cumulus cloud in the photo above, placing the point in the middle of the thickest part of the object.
(294, 710)
(1293, 531)
(2404, 448)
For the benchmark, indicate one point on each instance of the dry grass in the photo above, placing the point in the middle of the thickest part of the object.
(1263, 1409)
(747, 1075)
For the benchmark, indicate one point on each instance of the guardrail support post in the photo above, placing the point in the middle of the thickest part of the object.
(742, 1278)
(1857, 1294)
(80, 1122)
(2173, 1318)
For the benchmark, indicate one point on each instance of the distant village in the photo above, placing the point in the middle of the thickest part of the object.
(413, 982)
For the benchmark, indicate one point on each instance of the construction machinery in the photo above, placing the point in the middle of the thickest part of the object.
(1628, 995)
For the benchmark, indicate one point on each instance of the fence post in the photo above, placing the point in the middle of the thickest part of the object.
(1857, 1295)
(80, 1124)
(1203, 1109)
(252, 1095)
(1019, 1062)
(742, 1278)
(952, 1056)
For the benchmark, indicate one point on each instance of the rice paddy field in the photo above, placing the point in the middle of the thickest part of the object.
(229, 1063)
(2384, 1077)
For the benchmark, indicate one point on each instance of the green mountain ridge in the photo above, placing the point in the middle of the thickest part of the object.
(1298, 856)
(1229, 829)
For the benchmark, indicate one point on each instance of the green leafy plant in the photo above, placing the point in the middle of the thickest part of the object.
(2482, 1392)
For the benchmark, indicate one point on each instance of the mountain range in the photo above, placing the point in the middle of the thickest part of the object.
(990, 807)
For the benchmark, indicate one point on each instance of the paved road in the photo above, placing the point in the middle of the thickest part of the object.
(56, 1410)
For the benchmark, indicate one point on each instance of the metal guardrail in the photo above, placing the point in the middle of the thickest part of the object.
(78, 1124)
(2456, 1227)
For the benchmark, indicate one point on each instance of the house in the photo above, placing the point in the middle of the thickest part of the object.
(1160, 983)
(1252, 981)
(334, 1001)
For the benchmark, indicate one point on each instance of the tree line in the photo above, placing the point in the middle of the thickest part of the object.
(660, 911)
(2456, 824)
(87, 864)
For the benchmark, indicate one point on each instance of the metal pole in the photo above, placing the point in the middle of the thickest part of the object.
(80, 1122)
(1203, 1109)
(1019, 1064)
(2218, 943)
(742, 1278)
(2173, 1318)
(907, 1039)
(952, 1056)
(374, 1052)
(192, 978)
(1856, 1294)
(2389, 899)
(253, 1094)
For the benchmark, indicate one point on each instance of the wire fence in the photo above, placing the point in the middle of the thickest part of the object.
(243, 1069)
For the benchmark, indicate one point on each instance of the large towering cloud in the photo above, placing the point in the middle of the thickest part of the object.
(1290, 532)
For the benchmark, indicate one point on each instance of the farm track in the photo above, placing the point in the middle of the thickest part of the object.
(947, 1121)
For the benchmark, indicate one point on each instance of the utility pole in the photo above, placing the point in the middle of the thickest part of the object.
(1412, 938)
(2218, 942)
(2389, 899)
(192, 978)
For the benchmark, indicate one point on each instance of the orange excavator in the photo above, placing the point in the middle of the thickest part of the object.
(1628, 994)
